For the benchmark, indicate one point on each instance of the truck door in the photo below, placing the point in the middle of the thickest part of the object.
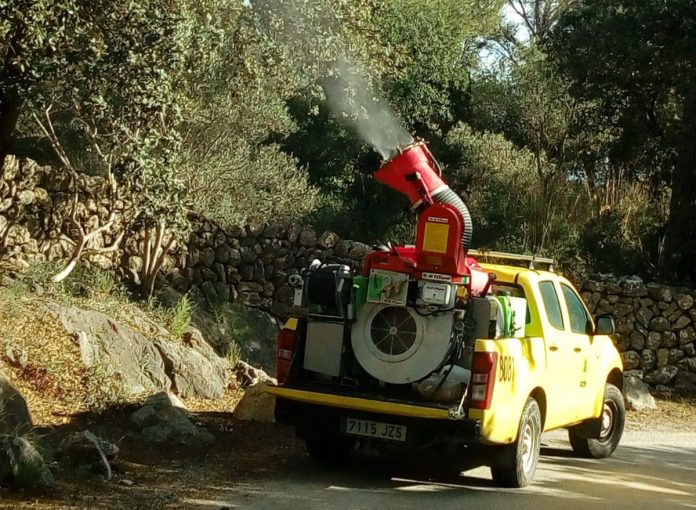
(561, 390)
(584, 360)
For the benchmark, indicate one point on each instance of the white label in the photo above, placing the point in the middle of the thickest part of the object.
(297, 301)
(436, 293)
(434, 219)
(436, 277)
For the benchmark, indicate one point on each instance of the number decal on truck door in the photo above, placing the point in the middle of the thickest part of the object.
(506, 369)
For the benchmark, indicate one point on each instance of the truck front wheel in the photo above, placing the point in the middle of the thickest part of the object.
(519, 460)
(612, 425)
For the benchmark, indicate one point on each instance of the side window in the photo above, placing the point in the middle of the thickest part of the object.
(553, 307)
(579, 320)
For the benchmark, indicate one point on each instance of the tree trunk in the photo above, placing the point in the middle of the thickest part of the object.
(677, 261)
(10, 105)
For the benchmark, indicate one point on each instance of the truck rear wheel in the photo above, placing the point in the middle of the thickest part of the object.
(330, 448)
(613, 420)
(519, 460)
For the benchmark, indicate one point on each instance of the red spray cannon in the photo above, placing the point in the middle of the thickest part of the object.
(444, 223)
(414, 172)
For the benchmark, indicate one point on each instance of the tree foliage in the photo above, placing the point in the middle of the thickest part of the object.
(574, 138)
(636, 59)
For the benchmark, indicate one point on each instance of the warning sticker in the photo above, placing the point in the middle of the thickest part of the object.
(436, 237)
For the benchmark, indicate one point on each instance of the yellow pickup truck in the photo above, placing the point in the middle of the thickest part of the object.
(526, 358)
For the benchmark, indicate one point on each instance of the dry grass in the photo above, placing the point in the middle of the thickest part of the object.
(50, 379)
(47, 369)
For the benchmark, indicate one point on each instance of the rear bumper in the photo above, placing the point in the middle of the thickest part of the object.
(359, 404)
(316, 415)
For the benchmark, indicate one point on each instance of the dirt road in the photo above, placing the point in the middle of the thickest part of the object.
(263, 467)
(648, 471)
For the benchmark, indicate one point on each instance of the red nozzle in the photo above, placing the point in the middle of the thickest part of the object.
(413, 172)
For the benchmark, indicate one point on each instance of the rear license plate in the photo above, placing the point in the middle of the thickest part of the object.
(373, 429)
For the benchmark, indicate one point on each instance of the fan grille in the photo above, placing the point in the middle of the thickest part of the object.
(393, 331)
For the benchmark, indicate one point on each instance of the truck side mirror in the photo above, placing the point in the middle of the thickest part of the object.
(605, 325)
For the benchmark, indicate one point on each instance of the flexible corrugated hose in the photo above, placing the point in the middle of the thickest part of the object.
(447, 196)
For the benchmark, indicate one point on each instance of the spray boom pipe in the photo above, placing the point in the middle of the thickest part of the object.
(415, 173)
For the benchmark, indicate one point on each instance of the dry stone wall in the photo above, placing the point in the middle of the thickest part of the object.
(656, 325)
(36, 206)
(251, 265)
(656, 328)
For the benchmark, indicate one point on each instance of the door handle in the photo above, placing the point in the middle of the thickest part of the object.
(553, 348)
(578, 349)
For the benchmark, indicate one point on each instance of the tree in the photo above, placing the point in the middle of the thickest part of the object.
(236, 86)
(34, 36)
(637, 59)
(413, 58)
(108, 99)
(434, 47)
(539, 16)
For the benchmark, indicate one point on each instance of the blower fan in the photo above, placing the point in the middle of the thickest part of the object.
(397, 345)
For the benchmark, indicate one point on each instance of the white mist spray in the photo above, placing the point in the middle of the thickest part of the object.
(351, 98)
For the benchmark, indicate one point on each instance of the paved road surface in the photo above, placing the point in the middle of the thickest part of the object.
(648, 471)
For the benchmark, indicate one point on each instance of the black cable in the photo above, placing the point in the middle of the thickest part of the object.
(454, 347)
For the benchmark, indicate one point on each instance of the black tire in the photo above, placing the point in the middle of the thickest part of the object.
(327, 449)
(613, 420)
(519, 460)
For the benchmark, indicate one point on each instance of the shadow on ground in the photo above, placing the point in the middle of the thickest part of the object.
(263, 466)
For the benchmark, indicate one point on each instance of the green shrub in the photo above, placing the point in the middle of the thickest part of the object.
(180, 317)
(175, 319)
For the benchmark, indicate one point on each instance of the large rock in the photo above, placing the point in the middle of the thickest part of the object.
(359, 251)
(307, 237)
(256, 404)
(248, 375)
(687, 335)
(84, 450)
(328, 240)
(162, 421)
(669, 339)
(659, 293)
(14, 413)
(681, 322)
(21, 465)
(115, 348)
(622, 309)
(688, 364)
(675, 355)
(633, 286)
(193, 373)
(654, 340)
(648, 359)
(637, 394)
(663, 375)
(637, 342)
